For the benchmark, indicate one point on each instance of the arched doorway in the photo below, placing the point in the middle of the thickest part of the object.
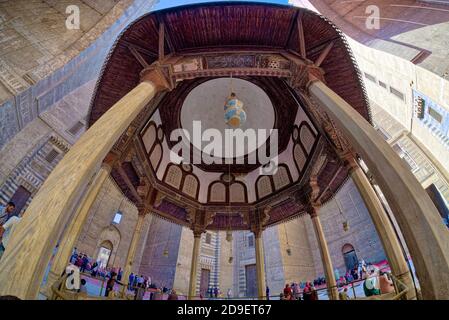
(104, 253)
(349, 256)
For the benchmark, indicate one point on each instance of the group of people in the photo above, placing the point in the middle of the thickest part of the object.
(136, 284)
(88, 264)
(136, 281)
(359, 272)
(293, 292)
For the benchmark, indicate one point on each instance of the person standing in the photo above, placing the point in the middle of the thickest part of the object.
(287, 292)
(296, 292)
(111, 283)
(385, 284)
(307, 292)
(370, 285)
(94, 269)
(314, 295)
(229, 293)
(130, 281)
(6, 212)
(6, 230)
(84, 263)
(267, 293)
(140, 281)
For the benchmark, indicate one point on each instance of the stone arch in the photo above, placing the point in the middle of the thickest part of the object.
(347, 247)
(217, 192)
(110, 235)
(349, 256)
(107, 244)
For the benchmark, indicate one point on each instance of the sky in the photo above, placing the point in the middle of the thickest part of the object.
(174, 3)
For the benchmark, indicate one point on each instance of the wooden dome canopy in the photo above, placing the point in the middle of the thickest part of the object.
(228, 26)
(209, 29)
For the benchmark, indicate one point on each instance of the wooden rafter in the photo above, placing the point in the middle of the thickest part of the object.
(138, 56)
(330, 183)
(161, 41)
(128, 182)
(324, 53)
(139, 48)
(301, 38)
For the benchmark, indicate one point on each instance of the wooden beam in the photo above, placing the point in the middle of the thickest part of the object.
(324, 53)
(301, 39)
(330, 183)
(161, 41)
(139, 48)
(138, 56)
(128, 182)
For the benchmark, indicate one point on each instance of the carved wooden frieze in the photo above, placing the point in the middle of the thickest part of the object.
(231, 61)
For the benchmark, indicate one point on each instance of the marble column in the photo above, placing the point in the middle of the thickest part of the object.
(194, 264)
(133, 246)
(30, 248)
(260, 265)
(426, 236)
(68, 241)
(383, 226)
(332, 289)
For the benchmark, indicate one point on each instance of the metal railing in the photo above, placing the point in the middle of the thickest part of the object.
(59, 292)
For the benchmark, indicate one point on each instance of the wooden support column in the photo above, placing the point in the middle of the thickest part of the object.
(133, 245)
(260, 264)
(426, 236)
(23, 264)
(383, 227)
(68, 241)
(332, 289)
(194, 264)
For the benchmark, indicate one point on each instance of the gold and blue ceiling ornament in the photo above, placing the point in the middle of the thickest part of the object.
(234, 115)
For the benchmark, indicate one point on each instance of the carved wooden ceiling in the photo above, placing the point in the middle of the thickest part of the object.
(267, 38)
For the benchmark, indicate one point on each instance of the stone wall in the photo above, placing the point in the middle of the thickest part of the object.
(47, 77)
(296, 251)
(100, 228)
(182, 274)
(417, 159)
(274, 268)
(57, 61)
(361, 235)
(225, 277)
(244, 255)
(163, 235)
